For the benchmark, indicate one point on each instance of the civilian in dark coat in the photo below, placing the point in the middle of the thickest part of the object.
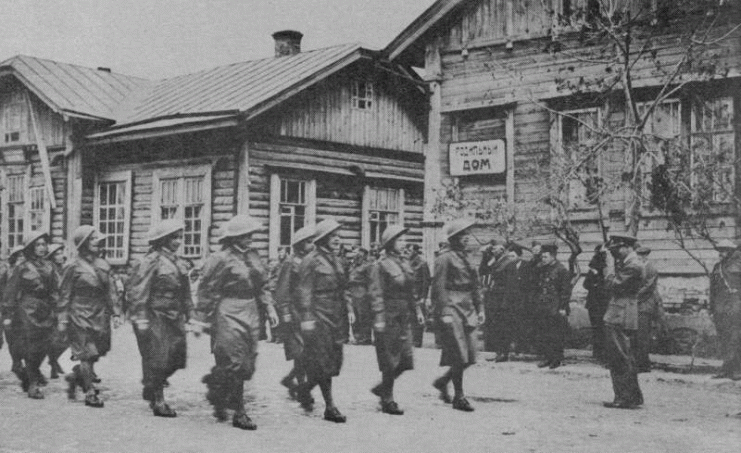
(160, 298)
(458, 310)
(234, 287)
(552, 306)
(725, 307)
(597, 299)
(394, 303)
(287, 303)
(88, 300)
(621, 321)
(325, 313)
(29, 303)
(493, 273)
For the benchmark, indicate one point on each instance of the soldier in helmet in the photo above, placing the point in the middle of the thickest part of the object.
(325, 312)
(458, 309)
(12, 332)
(59, 342)
(395, 304)
(725, 307)
(28, 306)
(234, 287)
(88, 299)
(286, 301)
(422, 281)
(160, 305)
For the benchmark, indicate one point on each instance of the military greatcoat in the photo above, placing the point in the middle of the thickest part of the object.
(322, 300)
(88, 298)
(234, 287)
(159, 291)
(393, 301)
(456, 300)
(286, 301)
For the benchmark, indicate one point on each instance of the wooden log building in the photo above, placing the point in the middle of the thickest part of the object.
(336, 132)
(494, 86)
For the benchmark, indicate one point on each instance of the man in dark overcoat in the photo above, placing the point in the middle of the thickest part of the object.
(492, 270)
(725, 307)
(552, 306)
(623, 281)
(597, 299)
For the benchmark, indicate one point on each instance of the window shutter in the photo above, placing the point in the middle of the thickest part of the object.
(274, 221)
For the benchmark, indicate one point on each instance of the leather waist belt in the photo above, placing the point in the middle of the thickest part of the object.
(166, 295)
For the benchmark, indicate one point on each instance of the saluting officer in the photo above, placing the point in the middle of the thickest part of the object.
(30, 300)
(160, 298)
(88, 299)
(395, 304)
(458, 310)
(325, 312)
(623, 281)
(286, 301)
(552, 306)
(234, 281)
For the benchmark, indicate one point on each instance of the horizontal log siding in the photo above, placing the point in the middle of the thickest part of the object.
(337, 196)
(395, 120)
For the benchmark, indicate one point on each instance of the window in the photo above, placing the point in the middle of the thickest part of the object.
(25, 208)
(292, 205)
(13, 117)
(663, 130)
(713, 148)
(362, 95)
(113, 212)
(185, 194)
(381, 207)
(577, 133)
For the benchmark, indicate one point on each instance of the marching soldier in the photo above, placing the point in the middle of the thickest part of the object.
(422, 280)
(552, 306)
(160, 298)
(458, 311)
(88, 299)
(11, 328)
(286, 301)
(394, 304)
(233, 283)
(725, 307)
(325, 313)
(650, 311)
(59, 342)
(624, 279)
(28, 307)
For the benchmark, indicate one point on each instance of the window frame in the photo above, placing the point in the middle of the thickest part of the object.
(368, 97)
(14, 100)
(26, 172)
(276, 180)
(693, 133)
(123, 176)
(195, 171)
(647, 165)
(366, 211)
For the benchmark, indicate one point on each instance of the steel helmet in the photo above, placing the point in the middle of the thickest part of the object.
(33, 237)
(392, 232)
(725, 244)
(53, 248)
(457, 226)
(304, 233)
(326, 227)
(164, 229)
(83, 233)
(239, 225)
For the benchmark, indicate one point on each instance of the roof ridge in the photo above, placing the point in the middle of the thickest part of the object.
(21, 56)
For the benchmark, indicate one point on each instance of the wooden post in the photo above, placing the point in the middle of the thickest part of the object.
(433, 154)
(243, 181)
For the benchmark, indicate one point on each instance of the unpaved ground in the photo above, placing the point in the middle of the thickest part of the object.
(519, 408)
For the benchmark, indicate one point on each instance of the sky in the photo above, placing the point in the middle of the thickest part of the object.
(164, 38)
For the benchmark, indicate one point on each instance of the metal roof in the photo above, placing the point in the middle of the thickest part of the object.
(73, 89)
(247, 87)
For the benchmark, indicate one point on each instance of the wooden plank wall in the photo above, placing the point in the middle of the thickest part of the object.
(51, 124)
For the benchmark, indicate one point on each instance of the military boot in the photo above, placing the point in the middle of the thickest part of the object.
(160, 407)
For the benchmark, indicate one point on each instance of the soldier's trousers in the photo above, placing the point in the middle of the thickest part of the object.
(551, 331)
(643, 343)
(363, 320)
(622, 366)
(598, 333)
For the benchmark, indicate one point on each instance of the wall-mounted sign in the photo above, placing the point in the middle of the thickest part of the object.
(477, 158)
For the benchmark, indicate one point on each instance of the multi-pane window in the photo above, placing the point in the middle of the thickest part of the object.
(16, 213)
(293, 204)
(13, 117)
(112, 214)
(185, 195)
(362, 95)
(713, 148)
(662, 132)
(384, 208)
(579, 132)
(36, 208)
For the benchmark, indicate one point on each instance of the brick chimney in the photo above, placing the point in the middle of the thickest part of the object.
(287, 42)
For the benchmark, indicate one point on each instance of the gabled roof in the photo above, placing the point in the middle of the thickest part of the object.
(71, 89)
(404, 46)
(247, 88)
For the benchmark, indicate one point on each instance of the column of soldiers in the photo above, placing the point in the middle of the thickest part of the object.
(45, 308)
